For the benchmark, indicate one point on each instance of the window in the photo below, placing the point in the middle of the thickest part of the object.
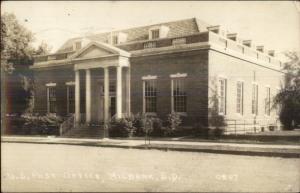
(179, 96)
(77, 45)
(150, 93)
(71, 98)
(240, 97)
(112, 106)
(155, 34)
(115, 39)
(51, 93)
(222, 96)
(150, 45)
(112, 97)
(254, 99)
(268, 101)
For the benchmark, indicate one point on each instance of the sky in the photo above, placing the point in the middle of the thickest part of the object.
(274, 24)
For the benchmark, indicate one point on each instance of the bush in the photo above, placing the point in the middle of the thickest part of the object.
(172, 123)
(157, 128)
(205, 132)
(138, 123)
(41, 125)
(135, 126)
(199, 130)
(217, 121)
(14, 124)
(218, 132)
(123, 127)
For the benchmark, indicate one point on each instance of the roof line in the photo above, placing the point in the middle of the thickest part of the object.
(132, 28)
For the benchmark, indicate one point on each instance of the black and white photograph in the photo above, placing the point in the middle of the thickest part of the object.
(150, 96)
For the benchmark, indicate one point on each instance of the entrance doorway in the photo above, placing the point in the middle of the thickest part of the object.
(112, 97)
(112, 107)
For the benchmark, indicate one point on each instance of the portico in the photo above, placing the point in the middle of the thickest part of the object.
(105, 69)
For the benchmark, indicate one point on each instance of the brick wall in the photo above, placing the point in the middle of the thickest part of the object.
(59, 76)
(193, 63)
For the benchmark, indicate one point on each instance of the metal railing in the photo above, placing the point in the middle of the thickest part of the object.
(55, 56)
(243, 126)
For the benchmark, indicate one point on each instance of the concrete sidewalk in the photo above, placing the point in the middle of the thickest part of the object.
(288, 151)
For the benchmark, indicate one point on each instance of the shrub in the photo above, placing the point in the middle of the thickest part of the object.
(172, 123)
(14, 124)
(157, 128)
(218, 122)
(128, 122)
(196, 129)
(123, 127)
(32, 124)
(218, 132)
(52, 119)
(205, 132)
(139, 124)
(117, 128)
(42, 125)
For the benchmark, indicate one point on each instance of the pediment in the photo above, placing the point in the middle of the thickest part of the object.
(94, 51)
(99, 49)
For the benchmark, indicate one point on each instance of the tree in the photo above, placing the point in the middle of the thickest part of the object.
(215, 119)
(42, 49)
(16, 57)
(17, 52)
(15, 41)
(289, 96)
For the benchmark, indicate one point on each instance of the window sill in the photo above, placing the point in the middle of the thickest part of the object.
(51, 113)
(181, 113)
(151, 113)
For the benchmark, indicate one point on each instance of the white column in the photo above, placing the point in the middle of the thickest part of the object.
(119, 92)
(106, 94)
(172, 96)
(77, 97)
(128, 92)
(88, 96)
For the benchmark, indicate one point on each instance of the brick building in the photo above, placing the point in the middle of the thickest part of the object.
(184, 66)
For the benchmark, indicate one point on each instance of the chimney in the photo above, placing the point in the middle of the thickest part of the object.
(232, 36)
(215, 29)
(260, 48)
(271, 52)
(247, 43)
